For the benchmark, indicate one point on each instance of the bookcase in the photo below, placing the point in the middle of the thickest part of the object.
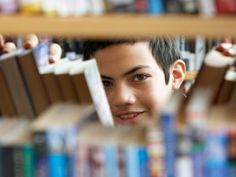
(120, 26)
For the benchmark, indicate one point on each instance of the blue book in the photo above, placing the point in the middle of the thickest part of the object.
(167, 124)
(156, 6)
(111, 160)
(132, 161)
(56, 153)
(143, 162)
(216, 154)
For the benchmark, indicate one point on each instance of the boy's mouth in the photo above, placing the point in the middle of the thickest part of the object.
(129, 117)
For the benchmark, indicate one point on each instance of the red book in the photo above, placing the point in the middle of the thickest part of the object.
(226, 6)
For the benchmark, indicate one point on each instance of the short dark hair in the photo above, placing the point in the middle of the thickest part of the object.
(163, 49)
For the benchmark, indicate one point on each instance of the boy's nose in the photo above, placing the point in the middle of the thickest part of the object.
(122, 96)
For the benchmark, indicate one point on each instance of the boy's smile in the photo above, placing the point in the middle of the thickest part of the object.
(133, 81)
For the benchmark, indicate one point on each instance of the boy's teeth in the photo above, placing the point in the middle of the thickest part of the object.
(128, 116)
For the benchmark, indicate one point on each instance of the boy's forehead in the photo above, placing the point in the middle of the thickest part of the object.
(123, 57)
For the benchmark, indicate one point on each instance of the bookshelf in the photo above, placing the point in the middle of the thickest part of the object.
(119, 25)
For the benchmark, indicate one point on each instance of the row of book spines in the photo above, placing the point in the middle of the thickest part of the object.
(65, 8)
(29, 98)
(25, 161)
(81, 7)
(208, 153)
(193, 51)
(17, 161)
(36, 91)
(60, 88)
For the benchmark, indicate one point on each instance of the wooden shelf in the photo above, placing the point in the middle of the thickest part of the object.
(119, 25)
(191, 75)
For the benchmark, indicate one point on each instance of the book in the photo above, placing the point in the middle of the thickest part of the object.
(66, 85)
(16, 84)
(51, 84)
(16, 137)
(212, 73)
(7, 106)
(28, 61)
(225, 6)
(156, 7)
(54, 137)
(92, 89)
(141, 6)
(228, 85)
(207, 8)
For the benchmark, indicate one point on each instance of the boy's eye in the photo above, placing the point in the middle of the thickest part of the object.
(107, 83)
(140, 77)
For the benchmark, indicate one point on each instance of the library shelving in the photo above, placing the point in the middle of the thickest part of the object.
(120, 25)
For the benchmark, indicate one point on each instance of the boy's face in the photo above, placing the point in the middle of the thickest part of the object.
(134, 82)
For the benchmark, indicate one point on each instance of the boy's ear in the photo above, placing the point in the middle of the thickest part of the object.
(178, 71)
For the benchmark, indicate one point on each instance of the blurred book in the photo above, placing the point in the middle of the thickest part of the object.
(14, 77)
(54, 137)
(89, 88)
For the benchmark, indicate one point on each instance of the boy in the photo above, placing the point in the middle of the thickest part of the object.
(138, 75)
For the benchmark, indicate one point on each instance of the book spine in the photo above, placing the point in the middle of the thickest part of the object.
(141, 5)
(197, 156)
(82, 166)
(33, 81)
(155, 6)
(168, 128)
(82, 89)
(183, 160)
(97, 161)
(28, 156)
(143, 162)
(121, 161)
(7, 161)
(132, 161)
(155, 146)
(18, 162)
(200, 51)
(67, 87)
(52, 88)
(111, 160)
(20, 96)
(41, 152)
(70, 148)
(7, 106)
(9, 6)
(231, 152)
(225, 6)
(207, 8)
(216, 153)
(56, 153)
(1, 161)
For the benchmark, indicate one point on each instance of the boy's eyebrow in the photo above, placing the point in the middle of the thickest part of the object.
(135, 69)
(106, 77)
(128, 72)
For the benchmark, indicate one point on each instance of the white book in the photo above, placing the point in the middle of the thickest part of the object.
(93, 82)
(200, 50)
(207, 8)
(97, 7)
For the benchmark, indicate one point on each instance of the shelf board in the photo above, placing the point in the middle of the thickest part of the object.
(119, 25)
(191, 75)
